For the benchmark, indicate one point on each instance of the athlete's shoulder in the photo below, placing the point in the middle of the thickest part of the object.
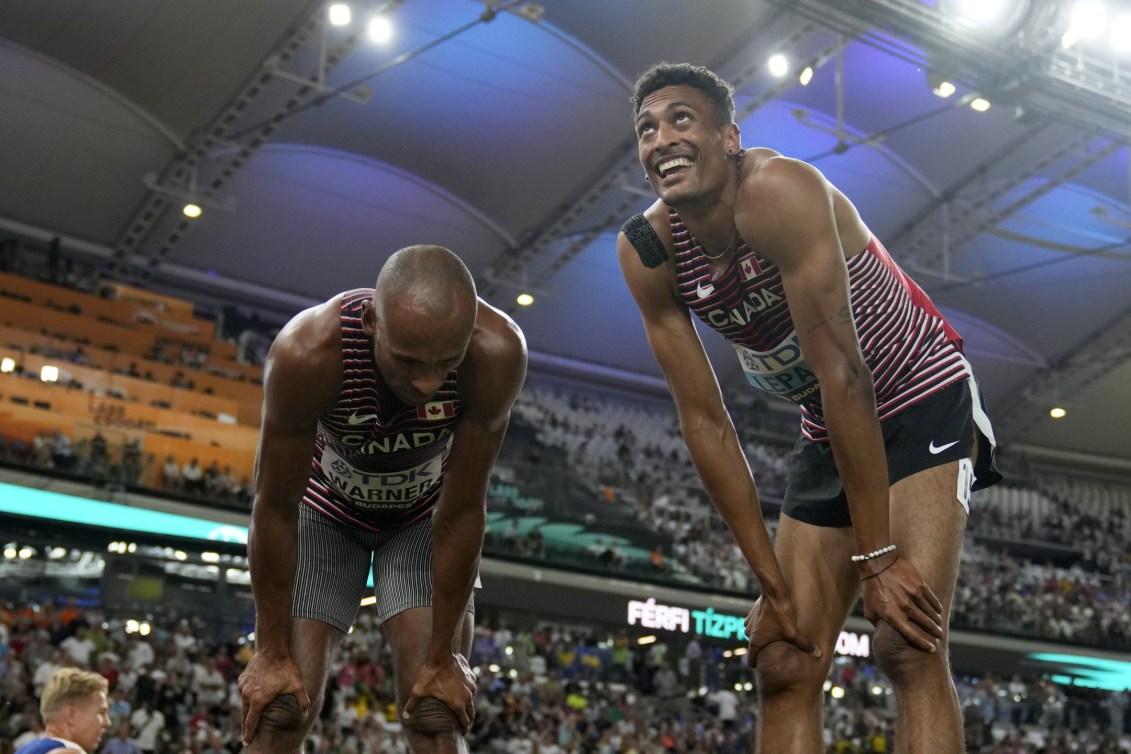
(306, 356)
(44, 746)
(313, 328)
(649, 234)
(763, 168)
(497, 333)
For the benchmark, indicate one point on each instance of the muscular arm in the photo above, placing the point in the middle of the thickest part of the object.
(489, 381)
(302, 379)
(706, 425)
(787, 206)
(799, 220)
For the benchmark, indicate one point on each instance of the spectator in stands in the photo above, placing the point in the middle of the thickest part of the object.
(192, 477)
(74, 708)
(211, 479)
(121, 743)
(171, 473)
(79, 646)
(34, 732)
(896, 538)
(131, 462)
(99, 462)
(44, 450)
(147, 723)
(423, 336)
(62, 454)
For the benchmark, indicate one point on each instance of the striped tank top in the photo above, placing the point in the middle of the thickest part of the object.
(378, 463)
(910, 348)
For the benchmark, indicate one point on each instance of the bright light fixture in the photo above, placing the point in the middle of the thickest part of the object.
(524, 299)
(778, 64)
(8, 365)
(1089, 18)
(192, 210)
(1057, 412)
(340, 14)
(979, 104)
(646, 640)
(806, 76)
(49, 373)
(380, 29)
(944, 89)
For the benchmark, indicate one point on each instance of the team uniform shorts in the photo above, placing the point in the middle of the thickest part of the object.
(938, 430)
(334, 562)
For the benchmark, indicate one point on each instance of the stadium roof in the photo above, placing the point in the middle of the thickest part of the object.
(503, 132)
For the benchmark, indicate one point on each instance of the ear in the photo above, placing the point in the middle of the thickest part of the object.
(732, 138)
(368, 318)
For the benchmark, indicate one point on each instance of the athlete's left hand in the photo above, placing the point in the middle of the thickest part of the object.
(449, 681)
(898, 595)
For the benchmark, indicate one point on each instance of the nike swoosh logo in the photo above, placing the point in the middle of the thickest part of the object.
(940, 448)
(702, 292)
(355, 419)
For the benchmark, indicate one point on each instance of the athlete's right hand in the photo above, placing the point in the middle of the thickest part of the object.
(265, 679)
(773, 620)
(897, 594)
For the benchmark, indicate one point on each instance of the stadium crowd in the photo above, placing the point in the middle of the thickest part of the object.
(1047, 565)
(549, 689)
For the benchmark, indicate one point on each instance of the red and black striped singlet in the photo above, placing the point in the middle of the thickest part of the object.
(378, 462)
(910, 348)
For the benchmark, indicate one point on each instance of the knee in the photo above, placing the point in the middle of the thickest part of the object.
(901, 661)
(283, 716)
(431, 717)
(783, 668)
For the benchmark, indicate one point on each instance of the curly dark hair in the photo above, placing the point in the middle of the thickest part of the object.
(718, 92)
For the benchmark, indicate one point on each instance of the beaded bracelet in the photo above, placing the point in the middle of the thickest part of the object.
(873, 554)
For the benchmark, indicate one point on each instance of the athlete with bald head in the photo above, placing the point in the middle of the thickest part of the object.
(384, 410)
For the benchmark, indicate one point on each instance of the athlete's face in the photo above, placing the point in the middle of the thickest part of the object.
(413, 352)
(683, 153)
(88, 720)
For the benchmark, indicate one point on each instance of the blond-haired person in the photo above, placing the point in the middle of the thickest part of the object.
(75, 713)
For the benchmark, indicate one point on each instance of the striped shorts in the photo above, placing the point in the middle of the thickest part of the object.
(334, 563)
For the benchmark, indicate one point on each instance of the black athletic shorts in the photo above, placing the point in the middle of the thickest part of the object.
(937, 430)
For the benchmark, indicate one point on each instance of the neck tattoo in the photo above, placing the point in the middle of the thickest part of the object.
(726, 248)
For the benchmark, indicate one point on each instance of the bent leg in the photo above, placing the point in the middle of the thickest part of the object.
(282, 727)
(434, 728)
(927, 524)
(816, 563)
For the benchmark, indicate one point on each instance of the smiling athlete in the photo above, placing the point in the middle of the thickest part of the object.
(767, 252)
(384, 409)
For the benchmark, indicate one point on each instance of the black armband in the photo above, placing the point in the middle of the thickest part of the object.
(644, 239)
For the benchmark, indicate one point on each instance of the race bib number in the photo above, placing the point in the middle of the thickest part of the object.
(380, 489)
(781, 371)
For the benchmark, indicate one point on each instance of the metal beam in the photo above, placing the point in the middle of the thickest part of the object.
(1105, 349)
(1024, 65)
(216, 137)
(531, 255)
(980, 216)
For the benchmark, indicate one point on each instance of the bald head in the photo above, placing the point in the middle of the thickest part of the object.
(427, 280)
(421, 319)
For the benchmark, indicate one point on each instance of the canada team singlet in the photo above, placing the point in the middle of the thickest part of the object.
(910, 348)
(378, 462)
